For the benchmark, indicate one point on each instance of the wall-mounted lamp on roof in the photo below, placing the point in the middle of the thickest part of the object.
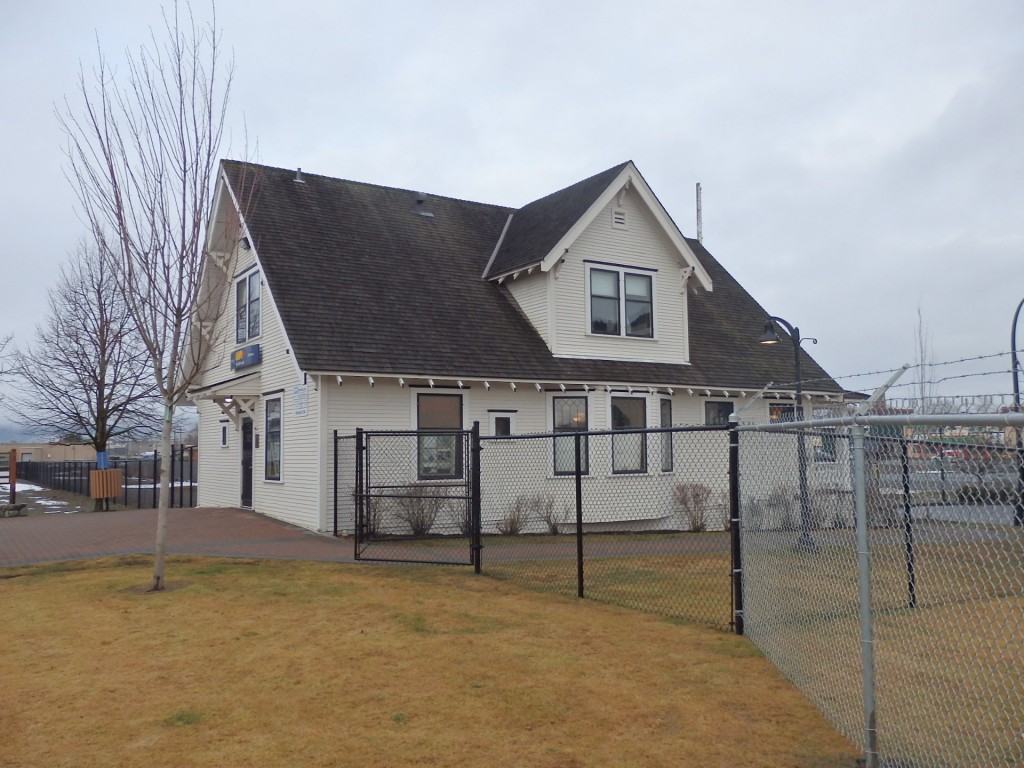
(228, 400)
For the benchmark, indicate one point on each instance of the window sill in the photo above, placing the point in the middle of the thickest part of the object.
(593, 335)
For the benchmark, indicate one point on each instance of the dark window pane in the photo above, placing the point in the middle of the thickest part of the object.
(272, 456)
(502, 425)
(638, 319)
(440, 411)
(639, 303)
(254, 305)
(241, 312)
(717, 413)
(604, 316)
(604, 302)
(439, 456)
(570, 415)
(781, 412)
(629, 452)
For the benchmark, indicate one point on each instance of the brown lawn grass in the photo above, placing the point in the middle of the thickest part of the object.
(949, 672)
(313, 664)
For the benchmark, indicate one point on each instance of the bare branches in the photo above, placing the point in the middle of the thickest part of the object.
(142, 156)
(5, 363)
(87, 373)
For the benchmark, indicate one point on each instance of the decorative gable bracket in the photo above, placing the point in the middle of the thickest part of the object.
(234, 407)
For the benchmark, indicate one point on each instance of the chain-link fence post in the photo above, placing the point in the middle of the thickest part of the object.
(908, 523)
(864, 584)
(579, 515)
(734, 520)
(474, 491)
(360, 520)
(335, 475)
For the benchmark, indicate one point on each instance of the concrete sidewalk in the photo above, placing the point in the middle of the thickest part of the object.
(208, 532)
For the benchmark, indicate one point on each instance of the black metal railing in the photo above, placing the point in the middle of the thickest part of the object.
(141, 483)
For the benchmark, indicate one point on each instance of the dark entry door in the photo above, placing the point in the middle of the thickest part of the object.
(246, 462)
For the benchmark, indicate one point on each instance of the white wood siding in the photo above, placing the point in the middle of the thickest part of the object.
(531, 294)
(219, 467)
(218, 363)
(643, 245)
(297, 497)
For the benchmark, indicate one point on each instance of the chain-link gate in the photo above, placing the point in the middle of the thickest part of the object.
(414, 497)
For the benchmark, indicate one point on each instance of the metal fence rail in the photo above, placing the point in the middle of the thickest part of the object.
(901, 617)
(141, 488)
(641, 521)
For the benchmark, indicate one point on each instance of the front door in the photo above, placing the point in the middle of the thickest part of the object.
(247, 462)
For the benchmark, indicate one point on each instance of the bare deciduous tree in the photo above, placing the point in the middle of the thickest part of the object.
(5, 365)
(142, 153)
(87, 372)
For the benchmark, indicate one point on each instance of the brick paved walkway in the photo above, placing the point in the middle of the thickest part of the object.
(214, 532)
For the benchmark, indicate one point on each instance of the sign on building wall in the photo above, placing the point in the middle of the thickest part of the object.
(300, 400)
(245, 357)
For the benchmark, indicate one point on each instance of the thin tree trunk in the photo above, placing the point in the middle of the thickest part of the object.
(165, 499)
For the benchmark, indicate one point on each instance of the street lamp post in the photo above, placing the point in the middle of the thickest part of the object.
(1018, 507)
(770, 336)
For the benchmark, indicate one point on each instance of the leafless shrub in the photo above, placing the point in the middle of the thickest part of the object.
(418, 506)
(373, 516)
(459, 515)
(693, 499)
(516, 517)
(543, 507)
(780, 502)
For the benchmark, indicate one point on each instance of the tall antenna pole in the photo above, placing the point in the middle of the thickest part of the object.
(700, 223)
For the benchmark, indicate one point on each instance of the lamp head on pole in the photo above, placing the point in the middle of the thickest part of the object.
(770, 335)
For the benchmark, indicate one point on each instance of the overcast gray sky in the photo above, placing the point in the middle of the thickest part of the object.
(859, 160)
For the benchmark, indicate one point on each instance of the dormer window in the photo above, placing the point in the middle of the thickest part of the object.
(247, 308)
(621, 303)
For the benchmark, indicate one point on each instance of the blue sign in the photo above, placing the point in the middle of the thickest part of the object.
(246, 357)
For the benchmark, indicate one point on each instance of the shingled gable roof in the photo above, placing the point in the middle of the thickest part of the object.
(538, 226)
(538, 232)
(366, 284)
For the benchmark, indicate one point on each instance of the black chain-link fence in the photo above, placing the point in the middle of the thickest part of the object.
(642, 521)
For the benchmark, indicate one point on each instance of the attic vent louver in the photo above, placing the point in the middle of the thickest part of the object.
(619, 218)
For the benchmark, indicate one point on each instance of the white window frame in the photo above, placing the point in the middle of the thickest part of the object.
(247, 279)
(642, 436)
(781, 407)
(279, 399)
(460, 459)
(622, 271)
(494, 415)
(585, 468)
(732, 410)
(667, 441)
